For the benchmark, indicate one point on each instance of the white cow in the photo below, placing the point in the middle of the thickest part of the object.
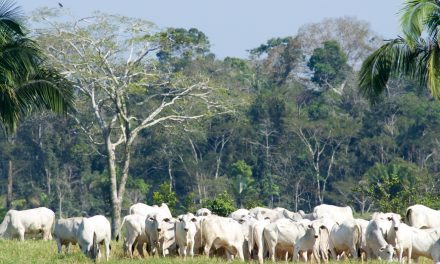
(65, 232)
(420, 216)
(223, 232)
(93, 231)
(135, 234)
(186, 230)
(315, 240)
(147, 210)
(417, 242)
(265, 213)
(160, 229)
(256, 238)
(203, 212)
(31, 221)
(363, 224)
(383, 216)
(337, 213)
(345, 237)
(376, 245)
(283, 234)
(239, 214)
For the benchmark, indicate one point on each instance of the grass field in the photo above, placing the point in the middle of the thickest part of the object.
(37, 251)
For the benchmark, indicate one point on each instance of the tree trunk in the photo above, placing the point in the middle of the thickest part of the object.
(115, 202)
(10, 182)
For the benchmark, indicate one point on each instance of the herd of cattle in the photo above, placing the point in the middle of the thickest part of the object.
(329, 231)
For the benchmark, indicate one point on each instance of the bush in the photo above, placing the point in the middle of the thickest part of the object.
(222, 204)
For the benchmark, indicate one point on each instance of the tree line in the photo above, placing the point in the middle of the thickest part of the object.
(159, 118)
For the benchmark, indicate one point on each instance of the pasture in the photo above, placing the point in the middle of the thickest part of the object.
(38, 251)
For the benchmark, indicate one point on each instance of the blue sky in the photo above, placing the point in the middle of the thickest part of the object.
(233, 26)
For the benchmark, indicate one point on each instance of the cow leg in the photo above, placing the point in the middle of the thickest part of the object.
(239, 249)
(410, 254)
(140, 249)
(191, 249)
(21, 234)
(184, 251)
(207, 248)
(295, 253)
(260, 253)
(107, 250)
(67, 247)
(59, 245)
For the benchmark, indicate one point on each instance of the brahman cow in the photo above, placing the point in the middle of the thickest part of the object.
(31, 221)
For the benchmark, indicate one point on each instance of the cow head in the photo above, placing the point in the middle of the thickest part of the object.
(188, 223)
(395, 221)
(386, 253)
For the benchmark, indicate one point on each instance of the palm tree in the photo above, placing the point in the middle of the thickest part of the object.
(26, 83)
(416, 55)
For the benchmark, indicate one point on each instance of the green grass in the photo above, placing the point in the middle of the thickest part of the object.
(38, 251)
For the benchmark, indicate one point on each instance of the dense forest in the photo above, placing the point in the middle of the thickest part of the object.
(159, 118)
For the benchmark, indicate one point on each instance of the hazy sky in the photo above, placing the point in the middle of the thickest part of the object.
(233, 26)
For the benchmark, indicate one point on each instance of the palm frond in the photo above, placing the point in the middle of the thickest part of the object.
(11, 17)
(433, 72)
(378, 67)
(413, 17)
(47, 89)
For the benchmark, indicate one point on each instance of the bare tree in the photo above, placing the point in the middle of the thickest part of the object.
(111, 61)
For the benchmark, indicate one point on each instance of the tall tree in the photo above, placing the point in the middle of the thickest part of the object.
(112, 60)
(416, 55)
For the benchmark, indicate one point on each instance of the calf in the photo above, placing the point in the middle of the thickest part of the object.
(186, 230)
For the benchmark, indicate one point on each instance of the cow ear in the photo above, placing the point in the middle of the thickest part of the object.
(193, 219)
(166, 220)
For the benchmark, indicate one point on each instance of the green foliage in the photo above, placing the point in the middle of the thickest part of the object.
(241, 174)
(165, 195)
(329, 65)
(415, 56)
(397, 185)
(222, 204)
(28, 84)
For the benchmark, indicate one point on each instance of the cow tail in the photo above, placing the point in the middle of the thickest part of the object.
(408, 216)
(94, 248)
(4, 224)
(357, 237)
(120, 229)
